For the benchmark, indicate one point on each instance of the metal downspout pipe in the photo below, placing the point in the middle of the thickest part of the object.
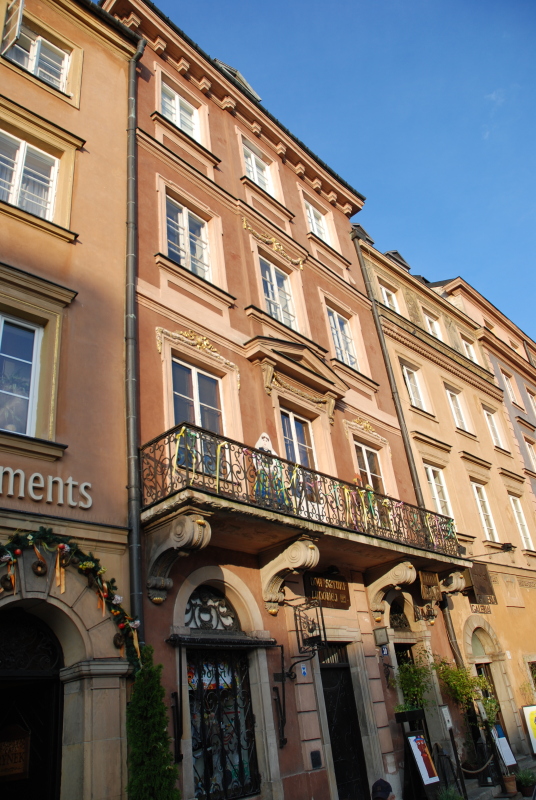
(390, 374)
(131, 352)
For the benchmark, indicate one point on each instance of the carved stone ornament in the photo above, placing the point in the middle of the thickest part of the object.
(273, 378)
(276, 246)
(403, 574)
(193, 339)
(301, 555)
(360, 425)
(184, 534)
(454, 583)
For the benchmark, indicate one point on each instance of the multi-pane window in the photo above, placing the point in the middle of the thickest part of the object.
(485, 512)
(257, 170)
(27, 176)
(412, 384)
(389, 298)
(521, 522)
(187, 239)
(469, 350)
(456, 408)
(532, 453)
(532, 399)
(40, 57)
(369, 467)
(19, 367)
(342, 338)
(509, 387)
(493, 427)
(438, 490)
(316, 221)
(180, 112)
(432, 325)
(275, 284)
(196, 397)
(298, 439)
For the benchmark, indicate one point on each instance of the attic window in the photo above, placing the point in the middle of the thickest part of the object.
(239, 78)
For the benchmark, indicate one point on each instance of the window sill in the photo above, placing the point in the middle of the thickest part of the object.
(38, 222)
(354, 374)
(423, 413)
(263, 316)
(318, 242)
(18, 444)
(166, 123)
(503, 451)
(269, 198)
(68, 98)
(469, 435)
(195, 282)
(493, 545)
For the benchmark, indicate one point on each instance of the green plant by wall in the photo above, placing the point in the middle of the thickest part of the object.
(152, 773)
(525, 777)
(466, 689)
(414, 680)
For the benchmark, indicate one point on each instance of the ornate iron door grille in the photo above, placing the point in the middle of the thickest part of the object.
(222, 721)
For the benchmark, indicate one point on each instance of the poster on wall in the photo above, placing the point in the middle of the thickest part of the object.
(530, 719)
(423, 759)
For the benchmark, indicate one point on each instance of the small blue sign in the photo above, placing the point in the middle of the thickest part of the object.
(304, 670)
(385, 650)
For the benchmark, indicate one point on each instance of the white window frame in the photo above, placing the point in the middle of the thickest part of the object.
(376, 452)
(412, 385)
(292, 417)
(510, 388)
(269, 301)
(432, 324)
(493, 427)
(256, 165)
(521, 522)
(469, 350)
(342, 339)
(317, 222)
(486, 517)
(532, 400)
(34, 57)
(197, 406)
(19, 165)
(436, 483)
(34, 380)
(180, 102)
(389, 298)
(532, 453)
(185, 213)
(456, 409)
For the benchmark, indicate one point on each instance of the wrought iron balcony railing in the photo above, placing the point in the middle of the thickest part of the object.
(188, 456)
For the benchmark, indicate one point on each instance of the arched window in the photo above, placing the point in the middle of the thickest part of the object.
(209, 610)
(397, 617)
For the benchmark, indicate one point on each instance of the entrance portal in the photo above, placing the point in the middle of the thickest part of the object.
(31, 707)
(345, 735)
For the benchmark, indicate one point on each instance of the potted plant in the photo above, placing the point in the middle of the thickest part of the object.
(404, 712)
(526, 781)
(413, 680)
(448, 793)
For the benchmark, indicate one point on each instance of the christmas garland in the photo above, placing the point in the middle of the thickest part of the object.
(68, 554)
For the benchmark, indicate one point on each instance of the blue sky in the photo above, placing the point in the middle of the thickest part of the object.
(427, 107)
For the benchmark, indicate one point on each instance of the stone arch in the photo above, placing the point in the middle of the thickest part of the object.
(239, 594)
(491, 643)
(405, 600)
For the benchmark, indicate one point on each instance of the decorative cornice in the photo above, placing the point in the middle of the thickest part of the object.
(276, 246)
(273, 378)
(360, 425)
(199, 342)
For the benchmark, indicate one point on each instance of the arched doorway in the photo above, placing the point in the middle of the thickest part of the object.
(31, 708)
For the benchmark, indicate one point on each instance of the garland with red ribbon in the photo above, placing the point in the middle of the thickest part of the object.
(69, 554)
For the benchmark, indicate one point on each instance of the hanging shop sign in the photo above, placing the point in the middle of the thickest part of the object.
(478, 577)
(331, 590)
(430, 588)
(44, 488)
(14, 753)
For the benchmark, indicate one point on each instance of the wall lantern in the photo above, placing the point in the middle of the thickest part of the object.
(310, 628)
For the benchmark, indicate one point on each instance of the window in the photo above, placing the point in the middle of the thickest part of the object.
(316, 221)
(19, 367)
(257, 170)
(521, 522)
(532, 453)
(509, 387)
(298, 439)
(493, 427)
(275, 284)
(180, 112)
(469, 350)
(412, 384)
(40, 57)
(456, 408)
(369, 467)
(532, 400)
(485, 513)
(187, 239)
(196, 397)
(438, 490)
(432, 324)
(27, 176)
(389, 298)
(342, 338)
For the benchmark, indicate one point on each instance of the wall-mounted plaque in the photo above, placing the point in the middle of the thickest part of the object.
(478, 576)
(14, 753)
(331, 590)
(430, 588)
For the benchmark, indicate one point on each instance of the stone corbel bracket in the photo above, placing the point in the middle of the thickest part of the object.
(454, 583)
(300, 555)
(181, 536)
(403, 574)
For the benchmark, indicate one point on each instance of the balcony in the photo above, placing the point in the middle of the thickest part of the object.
(187, 457)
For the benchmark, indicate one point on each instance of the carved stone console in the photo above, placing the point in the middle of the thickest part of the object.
(454, 583)
(179, 537)
(300, 555)
(402, 574)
